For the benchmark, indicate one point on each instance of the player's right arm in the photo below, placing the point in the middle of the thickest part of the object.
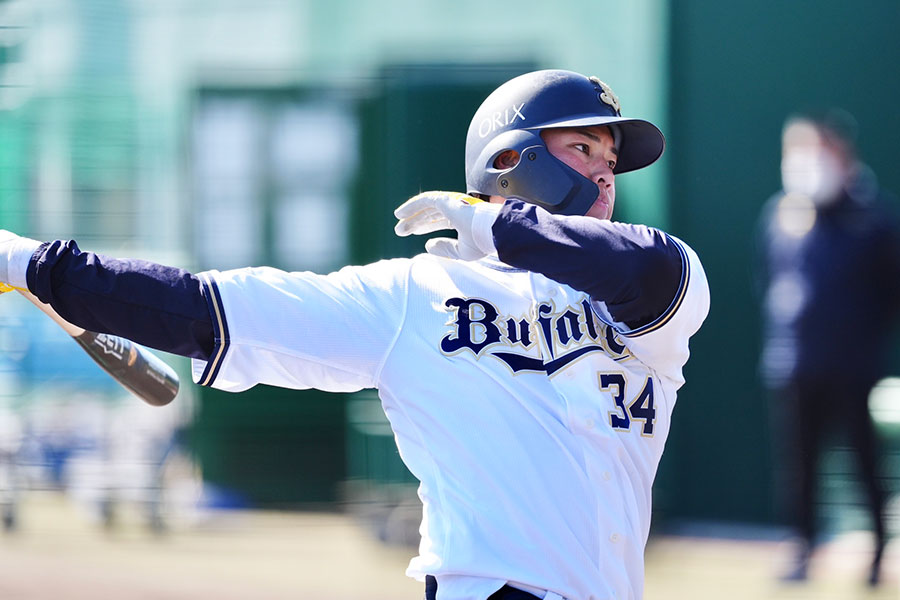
(301, 329)
(155, 305)
(241, 327)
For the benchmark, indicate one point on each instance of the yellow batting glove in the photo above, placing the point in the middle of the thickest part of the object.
(9, 288)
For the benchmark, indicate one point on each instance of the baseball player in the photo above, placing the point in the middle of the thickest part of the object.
(528, 367)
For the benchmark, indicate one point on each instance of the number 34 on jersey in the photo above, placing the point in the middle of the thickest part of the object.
(628, 410)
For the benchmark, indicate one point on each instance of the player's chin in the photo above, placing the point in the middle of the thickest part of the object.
(602, 208)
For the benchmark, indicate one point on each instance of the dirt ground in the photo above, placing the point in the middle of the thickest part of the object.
(59, 551)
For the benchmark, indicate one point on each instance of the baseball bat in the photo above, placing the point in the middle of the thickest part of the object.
(138, 370)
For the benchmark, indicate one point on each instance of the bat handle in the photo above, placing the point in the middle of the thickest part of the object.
(72, 330)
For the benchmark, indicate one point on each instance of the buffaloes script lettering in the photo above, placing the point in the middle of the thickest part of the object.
(551, 339)
(475, 326)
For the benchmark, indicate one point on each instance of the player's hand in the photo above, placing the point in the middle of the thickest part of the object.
(470, 217)
(7, 239)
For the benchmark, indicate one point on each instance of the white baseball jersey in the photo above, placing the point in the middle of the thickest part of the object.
(534, 423)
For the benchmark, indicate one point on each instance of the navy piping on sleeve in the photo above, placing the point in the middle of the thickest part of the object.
(220, 329)
(667, 315)
(492, 262)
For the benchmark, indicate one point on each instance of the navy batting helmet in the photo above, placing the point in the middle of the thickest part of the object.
(512, 117)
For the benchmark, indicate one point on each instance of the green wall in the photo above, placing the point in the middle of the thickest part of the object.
(737, 69)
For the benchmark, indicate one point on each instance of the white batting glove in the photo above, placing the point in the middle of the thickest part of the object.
(7, 240)
(15, 252)
(470, 217)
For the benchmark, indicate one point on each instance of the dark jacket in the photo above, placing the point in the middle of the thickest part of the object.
(831, 285)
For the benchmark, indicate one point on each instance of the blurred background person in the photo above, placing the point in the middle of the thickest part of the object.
(831, 248)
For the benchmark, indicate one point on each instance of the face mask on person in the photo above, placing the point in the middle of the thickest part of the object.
(815, 173)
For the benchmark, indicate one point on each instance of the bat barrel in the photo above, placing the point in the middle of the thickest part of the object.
(136, 368)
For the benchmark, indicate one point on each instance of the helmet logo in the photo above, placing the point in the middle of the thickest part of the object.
(607, 95)
(501, 119)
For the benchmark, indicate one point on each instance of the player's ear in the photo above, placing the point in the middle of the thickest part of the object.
(506, 160)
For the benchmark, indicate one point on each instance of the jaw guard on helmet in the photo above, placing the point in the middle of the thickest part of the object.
(538, 178)
(512, 117)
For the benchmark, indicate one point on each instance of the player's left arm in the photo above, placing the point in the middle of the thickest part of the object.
(652, 285)
(635, 270)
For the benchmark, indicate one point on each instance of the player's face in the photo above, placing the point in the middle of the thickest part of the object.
(592, 152)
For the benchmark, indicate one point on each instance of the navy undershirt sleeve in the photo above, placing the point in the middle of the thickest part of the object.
(151, 304)
(634, 269)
